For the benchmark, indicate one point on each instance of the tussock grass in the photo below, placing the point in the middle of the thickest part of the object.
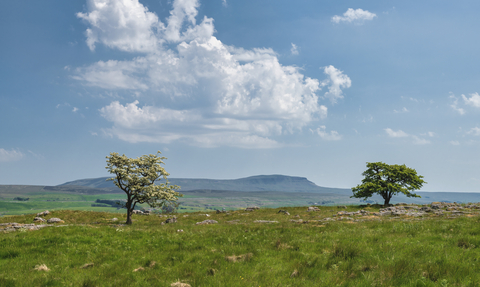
(378, 252)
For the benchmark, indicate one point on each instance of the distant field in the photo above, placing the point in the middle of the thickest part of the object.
(81, 198)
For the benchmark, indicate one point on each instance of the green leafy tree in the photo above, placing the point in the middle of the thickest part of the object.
(388, 180)
(137, 177)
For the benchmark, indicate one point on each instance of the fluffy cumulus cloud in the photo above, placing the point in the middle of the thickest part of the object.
(415, 139)
(336, 82)
(357, 16)
(473, 100)
(211, 94)
(10, 155)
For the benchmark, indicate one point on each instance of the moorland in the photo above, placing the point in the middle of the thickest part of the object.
(288, 246)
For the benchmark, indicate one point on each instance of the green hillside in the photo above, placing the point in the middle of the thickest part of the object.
(265, 247)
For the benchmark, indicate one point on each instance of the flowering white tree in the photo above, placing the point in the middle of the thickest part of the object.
(137, 177)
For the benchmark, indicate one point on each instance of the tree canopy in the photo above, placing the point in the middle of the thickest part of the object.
(388, 180)
(137, 177)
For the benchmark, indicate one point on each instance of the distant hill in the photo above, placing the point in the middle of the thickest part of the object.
(249, 184)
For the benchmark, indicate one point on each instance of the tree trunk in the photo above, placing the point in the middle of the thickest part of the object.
(130, 208)
(129, 217)
(387, 200)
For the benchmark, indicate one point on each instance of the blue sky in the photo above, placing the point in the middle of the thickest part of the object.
(229, 89)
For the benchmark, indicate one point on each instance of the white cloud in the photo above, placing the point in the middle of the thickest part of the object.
(396, 134)
(75, 109)
(123, 24)
(337, 80)
(151, 124)
(213, 87)
(474, 131)
(473, 101)
(329, 136)
(224, 3)
(294, 49)
(403, 110)
(357, 16)
(10, 155)
(401, 134)
(420, 141)
(454, 105)
(454, 142)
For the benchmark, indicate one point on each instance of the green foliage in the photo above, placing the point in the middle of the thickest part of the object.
(137, 177)
(388, 180)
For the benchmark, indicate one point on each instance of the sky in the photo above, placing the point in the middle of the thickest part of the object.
(234, 88)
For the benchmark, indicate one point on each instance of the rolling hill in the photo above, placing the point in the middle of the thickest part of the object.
(249, 184)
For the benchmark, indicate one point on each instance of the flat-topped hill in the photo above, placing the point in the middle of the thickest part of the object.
(253, 183)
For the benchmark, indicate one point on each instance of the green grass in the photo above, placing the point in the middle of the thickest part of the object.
(387, 252)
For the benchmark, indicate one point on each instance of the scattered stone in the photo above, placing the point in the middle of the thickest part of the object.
(41, 267)
(180, 284)
(208, 221)
(139, 269)
(46, 212)
(114, 219)
(284, 212)
(238, 258)
(212, 271)
(39, 219)
(252, 208)
(265, 221)
(313, 208)
(152, 264)
(186, 215)
(171, 220)
(55, 220)
(179, 230)
(87, 265)
(426, 209)
(342, 206)
(233, 221)
(294, 274)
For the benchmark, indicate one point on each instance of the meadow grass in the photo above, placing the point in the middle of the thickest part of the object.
(436, 251)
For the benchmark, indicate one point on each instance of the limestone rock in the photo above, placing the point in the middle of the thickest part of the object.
(171, 220)
(38, 219)
(55, 220)
(265, 221)
(252, 208)
(46, 212)
(180, 284)
(208, 221)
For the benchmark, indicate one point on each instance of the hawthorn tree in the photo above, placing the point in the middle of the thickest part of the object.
(388, 180)
(137, 177)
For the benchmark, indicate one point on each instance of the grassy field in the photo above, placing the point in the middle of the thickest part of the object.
(386, 251)
(40, 199)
